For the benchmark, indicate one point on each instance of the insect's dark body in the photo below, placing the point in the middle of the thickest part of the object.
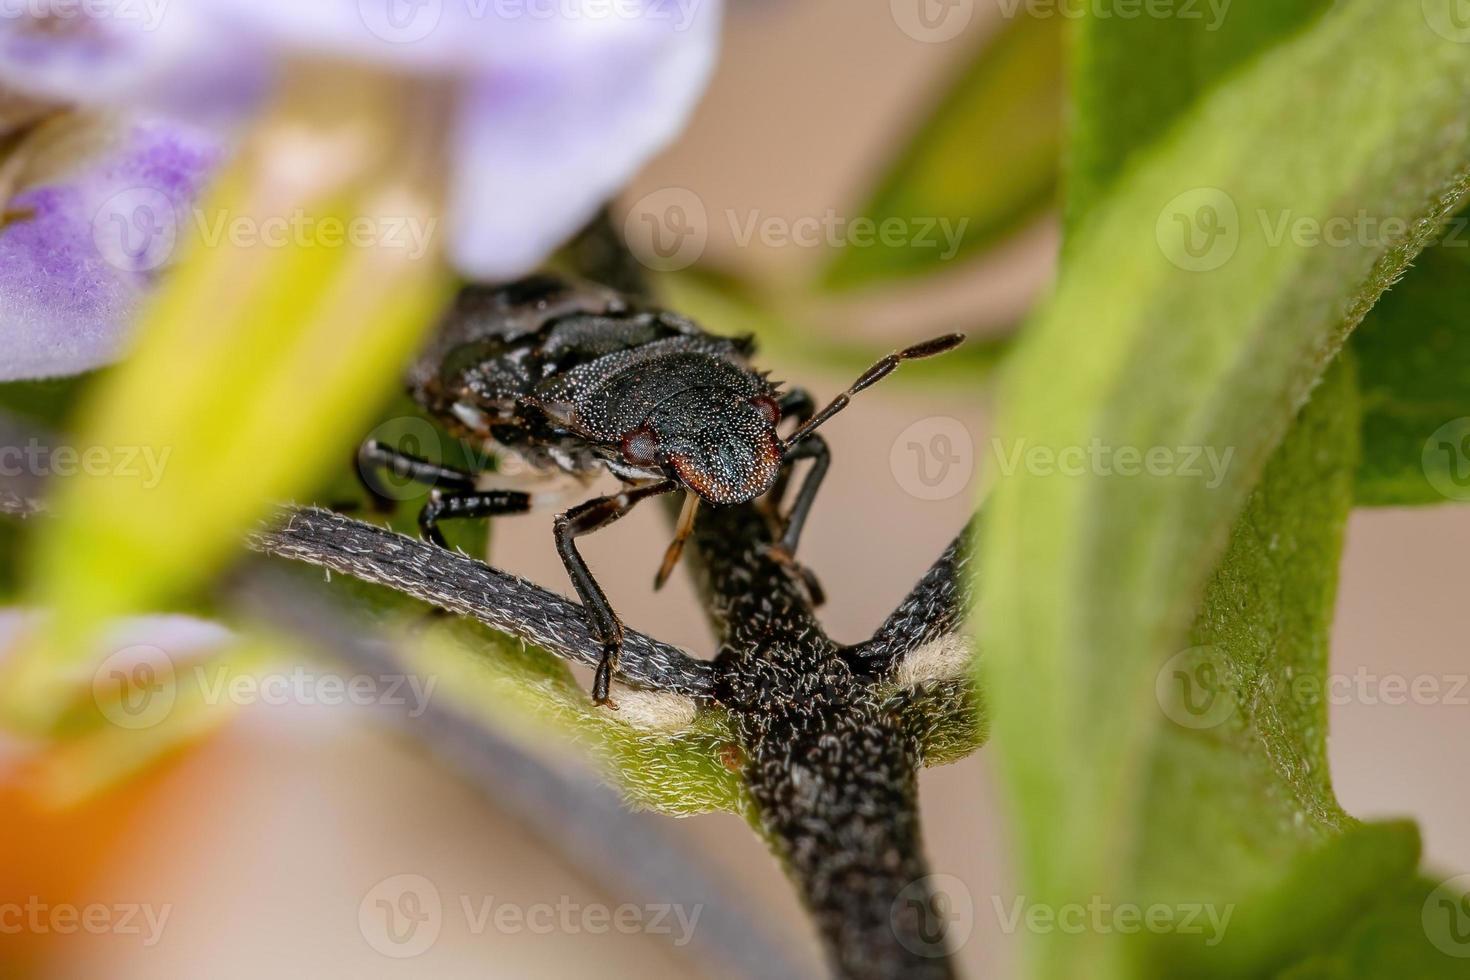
(562, 374)
(578, 378)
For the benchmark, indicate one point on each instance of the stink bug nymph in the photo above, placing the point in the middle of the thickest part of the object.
(579, 379)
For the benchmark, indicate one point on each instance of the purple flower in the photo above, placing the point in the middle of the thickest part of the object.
(68, 284)
(556, 104)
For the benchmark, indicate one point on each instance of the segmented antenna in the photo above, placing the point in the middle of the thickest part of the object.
(872, 376)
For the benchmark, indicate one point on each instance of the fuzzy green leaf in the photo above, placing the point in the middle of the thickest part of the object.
(1389, 940)
(1153, 342)
(982, 163)
(1239, 815)
(1414, 352)
(1133, 77)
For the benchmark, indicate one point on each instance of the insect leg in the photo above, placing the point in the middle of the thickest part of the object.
(682, 530)
(815, 449)
(405, 466)
(584, 519)
(798, 404)
(475, 503)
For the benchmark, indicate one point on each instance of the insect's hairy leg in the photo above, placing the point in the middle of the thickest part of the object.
(814, 447)
(682, 529)
(481, 503)
(798, 404)
(584, 519)
(406, 466)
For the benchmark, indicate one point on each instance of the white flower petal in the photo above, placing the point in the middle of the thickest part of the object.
(538, 151)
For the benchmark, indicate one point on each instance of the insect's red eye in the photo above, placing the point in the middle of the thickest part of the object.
(640, 447)
(769, 409)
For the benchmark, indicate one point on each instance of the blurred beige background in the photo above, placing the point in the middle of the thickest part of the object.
(306, 808)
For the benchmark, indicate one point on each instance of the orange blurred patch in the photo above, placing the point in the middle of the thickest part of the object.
(56, 854)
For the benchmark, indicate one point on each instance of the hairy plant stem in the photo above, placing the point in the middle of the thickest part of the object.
(831, 762)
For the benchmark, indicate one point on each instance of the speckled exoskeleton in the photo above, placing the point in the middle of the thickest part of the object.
(580, 379)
